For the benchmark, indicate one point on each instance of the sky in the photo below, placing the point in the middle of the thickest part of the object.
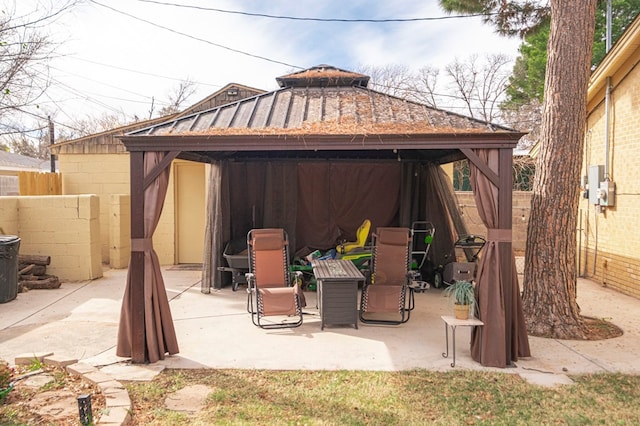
(120, 57)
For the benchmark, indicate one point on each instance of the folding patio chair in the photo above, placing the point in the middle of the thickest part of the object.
(387, 297)
(269, 280)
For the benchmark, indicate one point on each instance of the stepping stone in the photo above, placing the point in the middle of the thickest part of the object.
(132, 373)
(190, 399)
(547, 380)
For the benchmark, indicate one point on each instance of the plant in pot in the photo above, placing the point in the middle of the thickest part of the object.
(464, 298)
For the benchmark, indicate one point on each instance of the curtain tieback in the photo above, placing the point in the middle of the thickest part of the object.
(141, 244)
(501, 235)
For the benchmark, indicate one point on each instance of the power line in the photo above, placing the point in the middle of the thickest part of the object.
(103, 83)
(141, 72)
(70, 89)
(196, 38)
(41, 117)
(85, 96)
(299, 18)
(17, 131)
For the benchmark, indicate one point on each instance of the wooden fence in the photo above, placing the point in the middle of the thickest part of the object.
(35, 183)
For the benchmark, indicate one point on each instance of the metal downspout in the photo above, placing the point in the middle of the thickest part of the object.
(607, 125)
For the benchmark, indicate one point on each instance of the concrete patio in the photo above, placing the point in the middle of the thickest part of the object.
(80, 321)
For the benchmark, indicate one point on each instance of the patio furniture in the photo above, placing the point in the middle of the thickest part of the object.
(453, 322)
(387, 293)
(337, 291)
(269, 280)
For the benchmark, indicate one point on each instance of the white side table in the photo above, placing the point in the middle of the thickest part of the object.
(453, 322)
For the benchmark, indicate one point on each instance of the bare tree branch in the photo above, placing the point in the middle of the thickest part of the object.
(178, 97)
(392, 79)
(424, 87)
(24, 55)
(480, 85)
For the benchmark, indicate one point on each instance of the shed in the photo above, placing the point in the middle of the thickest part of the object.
(99, 164)
(314, 156)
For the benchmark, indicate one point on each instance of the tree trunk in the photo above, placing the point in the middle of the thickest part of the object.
(550, 275)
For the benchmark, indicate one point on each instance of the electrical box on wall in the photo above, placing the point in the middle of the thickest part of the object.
(607, 193)
(595, 176)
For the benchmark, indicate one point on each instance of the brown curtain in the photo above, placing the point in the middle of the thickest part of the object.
(214, 235)
(160, 335)
(335, 198)
(320, 203)
(281, 198)
(498, 343)
(315, 228)
(242, 196)
(410, 200)
(442, 211)
(246, 186)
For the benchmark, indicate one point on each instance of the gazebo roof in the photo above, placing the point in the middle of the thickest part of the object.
(321, 111)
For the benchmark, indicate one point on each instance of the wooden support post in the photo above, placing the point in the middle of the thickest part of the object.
(136, 267)
(505, 202)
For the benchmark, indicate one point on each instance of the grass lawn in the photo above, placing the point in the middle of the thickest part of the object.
(388, 398)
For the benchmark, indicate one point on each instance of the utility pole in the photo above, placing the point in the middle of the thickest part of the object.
(153, 100)
(51, 142)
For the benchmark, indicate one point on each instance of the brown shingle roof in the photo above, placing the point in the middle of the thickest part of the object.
(327, 110)
(323, 118)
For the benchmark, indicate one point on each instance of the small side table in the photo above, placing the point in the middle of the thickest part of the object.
(453, 322)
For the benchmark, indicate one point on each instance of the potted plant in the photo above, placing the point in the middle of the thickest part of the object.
(464, 298)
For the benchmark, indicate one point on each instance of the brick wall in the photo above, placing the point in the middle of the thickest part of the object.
(612, 270)
(610, 239)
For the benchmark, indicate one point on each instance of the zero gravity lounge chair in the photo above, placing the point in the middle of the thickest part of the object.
(386, 295)
(269, 281)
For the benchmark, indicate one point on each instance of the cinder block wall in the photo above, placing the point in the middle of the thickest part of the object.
(9, 215)
(106, 175)
(99, 174)
(610, 246)
(521, 209)
(63, 227)
(119, 231)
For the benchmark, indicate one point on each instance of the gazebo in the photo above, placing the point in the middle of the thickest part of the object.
(313, 157)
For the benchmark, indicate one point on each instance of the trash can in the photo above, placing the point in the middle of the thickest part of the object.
(9, 247)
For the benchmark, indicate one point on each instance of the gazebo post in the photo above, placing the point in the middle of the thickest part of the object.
(505, 221)
(136, 266)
